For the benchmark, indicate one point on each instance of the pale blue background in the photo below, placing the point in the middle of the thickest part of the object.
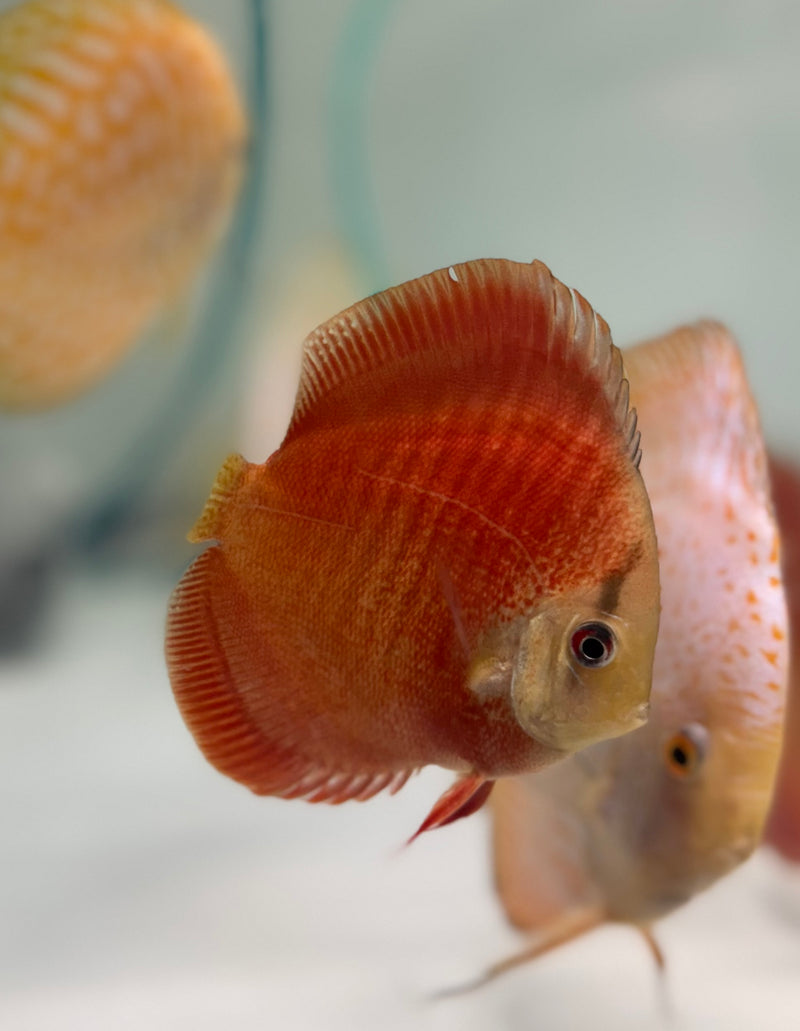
(650, 154)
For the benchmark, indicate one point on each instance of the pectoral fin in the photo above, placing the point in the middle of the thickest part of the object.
(463, 798)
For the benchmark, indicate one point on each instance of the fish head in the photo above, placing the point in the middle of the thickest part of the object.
(584, 665)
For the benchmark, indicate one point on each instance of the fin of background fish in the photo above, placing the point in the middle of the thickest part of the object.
(611, 831)
(539, 853)
(313, 281)
(298, 691)
(122, 143)
(563, 928)
(694, 383)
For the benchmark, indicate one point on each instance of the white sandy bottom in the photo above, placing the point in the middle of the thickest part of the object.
(142, 890)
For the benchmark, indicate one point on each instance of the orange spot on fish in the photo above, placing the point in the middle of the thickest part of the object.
(755, 617)
(734, 625)
(776, 549)
(774, 581)
(773, 686)
(742, 650)
(730, 515)
(771, 657)
(751, 597)
(778, 634)
(751, 536)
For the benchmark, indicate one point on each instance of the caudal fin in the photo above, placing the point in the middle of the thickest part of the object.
(207, 650)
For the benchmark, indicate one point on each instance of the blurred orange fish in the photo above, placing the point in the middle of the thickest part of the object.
(783, 828)
(450, 559)
(630, 829)
(121, 147)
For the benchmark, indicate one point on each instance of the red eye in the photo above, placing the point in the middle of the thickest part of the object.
(593, 645)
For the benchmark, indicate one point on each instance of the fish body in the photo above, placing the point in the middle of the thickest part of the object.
(121, 154)
(402, 582)
(629, 829)
(783, 827)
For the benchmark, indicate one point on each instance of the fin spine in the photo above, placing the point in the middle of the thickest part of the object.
(229, 478)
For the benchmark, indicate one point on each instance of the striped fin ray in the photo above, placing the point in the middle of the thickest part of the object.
(506, 323)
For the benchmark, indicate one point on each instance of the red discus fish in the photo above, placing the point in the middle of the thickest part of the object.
(450, 559)
(783, 827)
(630, 829)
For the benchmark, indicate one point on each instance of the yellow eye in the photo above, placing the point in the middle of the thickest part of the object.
(685, 750)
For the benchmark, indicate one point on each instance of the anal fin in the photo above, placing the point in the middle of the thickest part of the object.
(334, 788)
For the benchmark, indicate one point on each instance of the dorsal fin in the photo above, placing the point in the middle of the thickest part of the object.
(502, 323)
(693, 382)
